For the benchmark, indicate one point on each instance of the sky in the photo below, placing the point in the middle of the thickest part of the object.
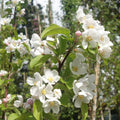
(56, 7)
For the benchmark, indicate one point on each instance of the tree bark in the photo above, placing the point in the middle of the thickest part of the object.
(95, 99)
(50, 17)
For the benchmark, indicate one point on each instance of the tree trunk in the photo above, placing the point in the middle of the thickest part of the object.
(97, 70)
(50, 17)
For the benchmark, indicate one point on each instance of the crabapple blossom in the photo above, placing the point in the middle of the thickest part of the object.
(50, 77)
(18, 103)
(78, 33)
(0, 101)
(5, 21)
(57, 93)
(3, 73)
(83, 90)
(51, 104)
(45, 92)
(78, 67)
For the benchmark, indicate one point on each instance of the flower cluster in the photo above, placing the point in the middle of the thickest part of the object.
(42, 89)
(13, 45)
(94, 34)
(27, 105)
(39, 47)
(6, 99)
(5, 21)
(83, 90)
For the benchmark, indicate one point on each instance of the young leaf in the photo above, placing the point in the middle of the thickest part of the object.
(13, 116)
(54, 29)
(26, 116)
(84, 109)
(62, 44)
(39, 60)
(37, 110)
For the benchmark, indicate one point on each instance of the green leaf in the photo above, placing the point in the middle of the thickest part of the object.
(2, 50)
(84, 109)
(39, 60)
(1, 82)
(37, 110)
(65, 99)
(26, 116)
(62, 44)
(13, 116)
(54, 29)
(50, 116)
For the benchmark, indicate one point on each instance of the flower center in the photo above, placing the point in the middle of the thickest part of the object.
(43, 92)
(75, 68)
(89, 38)
(35, 83)
(102, 53)
(81, 97)
(90, 26)
(101, 38)
(52, 103)
(50, 79)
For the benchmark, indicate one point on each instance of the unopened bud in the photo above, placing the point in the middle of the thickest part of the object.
(5, 100)
(78, 33)
(30, 101)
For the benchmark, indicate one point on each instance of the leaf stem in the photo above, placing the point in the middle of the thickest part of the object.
(67, 54)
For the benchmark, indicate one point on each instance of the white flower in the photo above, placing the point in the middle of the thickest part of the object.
(79, 98)
(3, 73)
(104, 40)
(90, 23)
(105, 51)
(51, 104)
(16, 2)
(83, 89)
(35, 40)
(22, 36)
(45, 92)
(80, 14)
(8, 97)
(35, 83)
(51, 76)
(86, 84)
(90, 36)
(37, 51)
(77, 67)
(0, 101)
(19, 102)
(5, 21)
(22, 11)
(57, 93)
(26, 106)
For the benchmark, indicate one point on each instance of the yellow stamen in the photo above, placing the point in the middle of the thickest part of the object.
(75, 68)
(101, 38)
(50, 79)
(89, 38)
(81, 97)
(52, 103)
(43, 92)
(35, 83)
(90, 26)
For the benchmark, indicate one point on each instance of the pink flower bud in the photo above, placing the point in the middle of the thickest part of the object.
(78, 33)
(5, 100)
(30, 101)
